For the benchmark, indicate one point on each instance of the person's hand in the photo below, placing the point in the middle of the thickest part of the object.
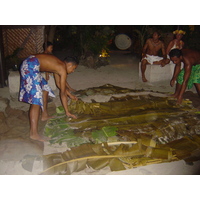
(172, 82)
(71, 115)
(73, 97)
(72, 90)
(163, 63)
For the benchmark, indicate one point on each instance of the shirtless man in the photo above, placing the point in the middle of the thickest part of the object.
(48, 49)
(34, 88)
(189, 75)
(150, 54)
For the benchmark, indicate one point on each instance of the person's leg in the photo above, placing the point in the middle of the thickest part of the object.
(45, 115)
(143, 69)
(34, 113)
(197, 86)
(160, 62)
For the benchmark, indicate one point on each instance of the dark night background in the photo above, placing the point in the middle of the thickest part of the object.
(87, 42)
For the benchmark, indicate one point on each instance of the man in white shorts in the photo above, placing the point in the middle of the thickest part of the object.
(150, 54)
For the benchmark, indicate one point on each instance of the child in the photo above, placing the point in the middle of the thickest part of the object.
(48, 49)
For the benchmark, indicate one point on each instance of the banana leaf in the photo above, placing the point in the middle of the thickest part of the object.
(128, 131)
(104, 90)
(120, 157)
(117, 158)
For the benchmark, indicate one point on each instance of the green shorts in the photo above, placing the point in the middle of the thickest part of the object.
(194, 76)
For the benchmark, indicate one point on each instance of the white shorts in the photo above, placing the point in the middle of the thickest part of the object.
(151, 59)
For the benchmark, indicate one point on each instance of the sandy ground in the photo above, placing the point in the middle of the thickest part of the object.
(20, 155)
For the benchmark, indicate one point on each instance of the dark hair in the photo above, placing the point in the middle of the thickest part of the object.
(72, 59)
(175, 52)
(158, 32)
(47, 44)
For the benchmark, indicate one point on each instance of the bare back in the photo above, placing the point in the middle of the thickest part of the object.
(50, 63)
(191, 57)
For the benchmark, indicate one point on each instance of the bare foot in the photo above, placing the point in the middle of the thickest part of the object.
(144, 79)
(174, 95)
(39, 138)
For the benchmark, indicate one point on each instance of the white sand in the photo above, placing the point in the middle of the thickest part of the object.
(123, 72)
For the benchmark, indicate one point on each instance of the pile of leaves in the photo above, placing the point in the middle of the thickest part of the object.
(125, 132)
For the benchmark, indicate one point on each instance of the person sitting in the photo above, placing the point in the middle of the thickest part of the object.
(176, 43)
(150, 53)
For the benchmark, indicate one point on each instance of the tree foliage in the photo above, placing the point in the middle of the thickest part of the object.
(82, 40)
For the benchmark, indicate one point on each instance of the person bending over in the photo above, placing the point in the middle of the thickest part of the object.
(34, 89)
(189, 75)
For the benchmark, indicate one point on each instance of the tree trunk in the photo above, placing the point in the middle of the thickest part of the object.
(50, 32)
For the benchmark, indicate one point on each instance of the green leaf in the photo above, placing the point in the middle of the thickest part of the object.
(110, 131)
(60, 110)
(99, 136)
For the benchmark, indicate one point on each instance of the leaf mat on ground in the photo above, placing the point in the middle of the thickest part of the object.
(149, 120)
(121, 157)
(104, 90)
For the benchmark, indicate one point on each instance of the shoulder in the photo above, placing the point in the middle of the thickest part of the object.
(148, 42)
(161, 42)
(45, 56)
(50, 63)
(48, 58)
(181, 42)
(190, 56)
(172, 41)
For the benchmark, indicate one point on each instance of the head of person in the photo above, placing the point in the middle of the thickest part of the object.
(48, 47)
(156, 35)
(175, 56)
(179, 34)
(71, 63)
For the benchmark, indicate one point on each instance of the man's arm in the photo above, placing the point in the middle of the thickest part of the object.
(144, 50)
(163, 51)
(61, 84)
(187, 68)
(165, 60)
(177, 70)
(68, 86)
(57, 80)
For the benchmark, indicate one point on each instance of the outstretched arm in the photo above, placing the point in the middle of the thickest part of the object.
(163, 51)
(187, 68)
(70, 89)
(57, 80)
(61, 84)
(177, 70)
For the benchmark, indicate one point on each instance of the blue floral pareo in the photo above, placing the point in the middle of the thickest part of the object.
(32, 83)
